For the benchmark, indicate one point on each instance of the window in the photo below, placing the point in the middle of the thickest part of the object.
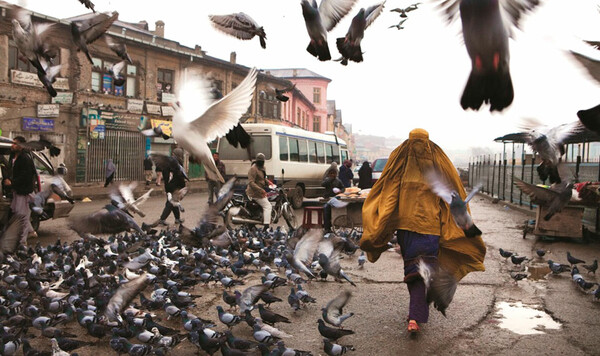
(344, 155)
(320, 152)
(317, 95)
(302, 150)
(312, 149)
(164, 82)
(18, 62)
(303, 122)
(268, 106)
(103, 80)
(298, 115)
(218, 84)
(283, 149)
(329, 153)
(336, 154)
(294, 150)
(259, 144)
(316, 123)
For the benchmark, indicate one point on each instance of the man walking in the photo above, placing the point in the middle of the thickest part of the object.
(346, 174)
(148, 170)
(213, 185)
(22, 183)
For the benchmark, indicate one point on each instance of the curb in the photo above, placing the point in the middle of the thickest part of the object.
(99, 192)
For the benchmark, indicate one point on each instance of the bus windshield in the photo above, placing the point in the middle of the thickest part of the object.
(260, 144)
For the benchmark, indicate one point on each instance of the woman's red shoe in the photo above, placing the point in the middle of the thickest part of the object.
(413, 327)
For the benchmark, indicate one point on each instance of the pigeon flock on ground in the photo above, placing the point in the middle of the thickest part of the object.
(556, 268)
(137, 291)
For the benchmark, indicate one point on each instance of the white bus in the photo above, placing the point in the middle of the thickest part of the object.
(297, 156)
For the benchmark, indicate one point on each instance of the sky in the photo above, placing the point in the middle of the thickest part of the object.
(409, 78)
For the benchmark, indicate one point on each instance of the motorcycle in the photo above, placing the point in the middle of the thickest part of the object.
(243, 211)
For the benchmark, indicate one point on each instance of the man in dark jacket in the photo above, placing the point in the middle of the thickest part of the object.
(175, 186)
(333, 186)
(22, 183)
(346, 174)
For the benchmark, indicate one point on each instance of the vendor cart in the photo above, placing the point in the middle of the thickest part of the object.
(348, 218)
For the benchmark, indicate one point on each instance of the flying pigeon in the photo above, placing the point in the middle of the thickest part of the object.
(333, 312)
(32, 39)
(406, 9)
(197, 121)
(548, 141)
(590, 118)
(89, 30)
(88, 4)
(40, 145)
(123, 296)
(279, 92)
(239, 25)
(349, 46)
(48, 77)
(120, 49)
(486, 26)
(115, 71)
(399, 25)
(322, 19)
(555, 198)
(304, 251)
(458, 207)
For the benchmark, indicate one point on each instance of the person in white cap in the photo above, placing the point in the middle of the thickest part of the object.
(257, 184)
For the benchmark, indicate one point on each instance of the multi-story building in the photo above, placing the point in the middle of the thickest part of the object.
(91, 119)
(314, 87)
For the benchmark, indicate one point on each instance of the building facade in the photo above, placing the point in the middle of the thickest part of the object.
(91, 119)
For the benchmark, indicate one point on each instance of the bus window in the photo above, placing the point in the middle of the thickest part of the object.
(344, 155)
(320, 152)
(329, 153)
(294, 149)
(336, 154)
(312, 148)
(260, 144)
(283, 149)
(302, 150)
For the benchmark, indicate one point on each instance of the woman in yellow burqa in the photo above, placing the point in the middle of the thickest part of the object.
(402, 202)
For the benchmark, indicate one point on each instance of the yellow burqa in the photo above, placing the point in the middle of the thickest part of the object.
(402, 199)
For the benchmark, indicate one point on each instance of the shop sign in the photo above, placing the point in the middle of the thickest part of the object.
(63, 98)
(135, 106)
(31, 79)
(168, 98)
(47, 110)
(153, 109)
(167, 110)
(40, 125)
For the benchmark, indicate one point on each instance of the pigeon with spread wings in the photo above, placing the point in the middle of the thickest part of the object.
(349, 46)
(549, 143)
(406, 9)
(486, 27)
(90, 29)
(322, 19)
(555, 198)
(239, 25)
(279, 92)
(33, 39)
(458, 207)
(88, 4)
(198, 120)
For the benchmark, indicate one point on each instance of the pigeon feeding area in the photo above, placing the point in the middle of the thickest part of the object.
(167, 292)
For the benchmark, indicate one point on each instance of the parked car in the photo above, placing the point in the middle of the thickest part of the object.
(54, 208)
(378, 166)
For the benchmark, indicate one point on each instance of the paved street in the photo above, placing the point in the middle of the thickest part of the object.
(380, 301)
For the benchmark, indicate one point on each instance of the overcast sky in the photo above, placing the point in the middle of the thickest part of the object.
(409, 78)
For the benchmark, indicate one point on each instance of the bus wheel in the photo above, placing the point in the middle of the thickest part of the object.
(298, 198)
